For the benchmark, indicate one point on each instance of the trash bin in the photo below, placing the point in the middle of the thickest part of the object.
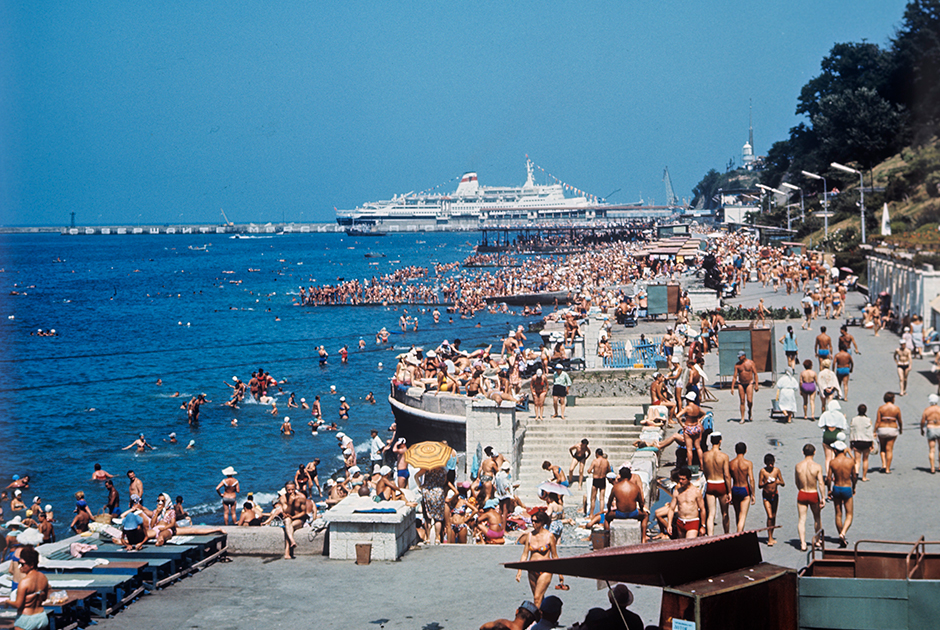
(600, 539)
(363, 553)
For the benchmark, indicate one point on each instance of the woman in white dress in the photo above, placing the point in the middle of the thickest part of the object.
(787, 386)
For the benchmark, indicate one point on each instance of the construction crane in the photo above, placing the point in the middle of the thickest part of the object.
(671, 199)
(227, 222)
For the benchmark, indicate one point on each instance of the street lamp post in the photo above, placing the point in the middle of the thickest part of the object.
(861, 190)
(802, 210)
(825, 199)
(768, 190)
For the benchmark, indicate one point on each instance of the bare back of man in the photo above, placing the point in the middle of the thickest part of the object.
(742, 490)
(810, 487)
(598, 470)
(626, 502)
(930, 428)
(842, 478)
(718, 485)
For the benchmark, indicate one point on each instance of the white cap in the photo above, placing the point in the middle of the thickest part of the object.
(347, 451)
(342, 399)
(286, 418)
(690, 395)
(838, 445)
(384, 470)
(48, 507)
(933, 399)
(340, 435)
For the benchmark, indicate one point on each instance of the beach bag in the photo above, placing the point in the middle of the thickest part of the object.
(708, 423)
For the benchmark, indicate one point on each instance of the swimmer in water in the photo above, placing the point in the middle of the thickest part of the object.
(100, 474)
(191, 445)
(172, 438)
(141, 444)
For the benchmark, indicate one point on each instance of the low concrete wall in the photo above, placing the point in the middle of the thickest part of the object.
(269, 541)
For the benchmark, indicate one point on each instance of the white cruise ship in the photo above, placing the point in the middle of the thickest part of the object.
(473, 205)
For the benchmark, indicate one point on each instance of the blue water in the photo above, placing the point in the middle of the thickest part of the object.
(133, 309)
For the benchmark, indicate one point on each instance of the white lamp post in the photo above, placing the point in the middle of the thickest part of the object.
(779, 192)
(802, 210)
(861, 190)
(825, 199)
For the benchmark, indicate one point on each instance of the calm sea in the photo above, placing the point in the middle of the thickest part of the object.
(133, 309)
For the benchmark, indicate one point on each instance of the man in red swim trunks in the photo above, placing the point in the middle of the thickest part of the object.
(687, 506)
(718, 484)
(812, 492)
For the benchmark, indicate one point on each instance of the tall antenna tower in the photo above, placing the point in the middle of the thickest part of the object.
(750, 122)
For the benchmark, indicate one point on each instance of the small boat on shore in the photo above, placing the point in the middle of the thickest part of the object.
(364, 232)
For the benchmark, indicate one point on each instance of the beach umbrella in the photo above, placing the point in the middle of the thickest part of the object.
(428, 455)
(557, 488)
(846, 269)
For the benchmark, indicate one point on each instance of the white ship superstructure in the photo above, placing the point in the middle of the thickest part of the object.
(473, 205)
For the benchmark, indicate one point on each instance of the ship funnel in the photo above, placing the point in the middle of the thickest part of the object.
(468, 185)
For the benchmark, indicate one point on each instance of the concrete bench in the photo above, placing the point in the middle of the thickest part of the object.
(391, 534)
(269, 541)
(625, 532)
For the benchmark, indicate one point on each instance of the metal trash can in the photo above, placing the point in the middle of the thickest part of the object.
(363, 553)
(600, 539)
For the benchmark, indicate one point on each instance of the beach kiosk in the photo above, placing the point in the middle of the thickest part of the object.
(757, 342)
(662, 299)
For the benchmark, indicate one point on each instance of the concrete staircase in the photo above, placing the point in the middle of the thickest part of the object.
(610, 428)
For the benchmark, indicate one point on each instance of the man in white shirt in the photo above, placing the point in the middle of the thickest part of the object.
(376, 450)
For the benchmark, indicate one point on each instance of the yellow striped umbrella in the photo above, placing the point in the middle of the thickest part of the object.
(428, 455)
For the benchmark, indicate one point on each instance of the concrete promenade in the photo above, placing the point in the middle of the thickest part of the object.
(463, 587)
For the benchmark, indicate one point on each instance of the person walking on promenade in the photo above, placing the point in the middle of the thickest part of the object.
(842, 478)
(770, 480)
(888, 428)
(862, 439)
(742, 490)
(717, 484)
(811, 487)
(930, 427)
(844, 365)
(744, 382)
(903, 358)
(833, 422)
(808, 389)
(787, 386)
(539, 544)
(822, 346)
(790, 347)
(560, 386)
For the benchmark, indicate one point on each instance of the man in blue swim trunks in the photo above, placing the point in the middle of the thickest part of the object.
(842, 478)
(823, 346)
(626, 502)
(742, 492)
(844, 366)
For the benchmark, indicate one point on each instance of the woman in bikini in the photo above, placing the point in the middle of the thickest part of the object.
(490, 524)
(228, 490)
(903, 358)
(461, 515)
(888, 428)
(808, 389)
(31, 592)
(539, 544)
(539, 386)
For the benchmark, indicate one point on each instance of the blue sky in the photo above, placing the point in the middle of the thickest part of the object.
(167, 113)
